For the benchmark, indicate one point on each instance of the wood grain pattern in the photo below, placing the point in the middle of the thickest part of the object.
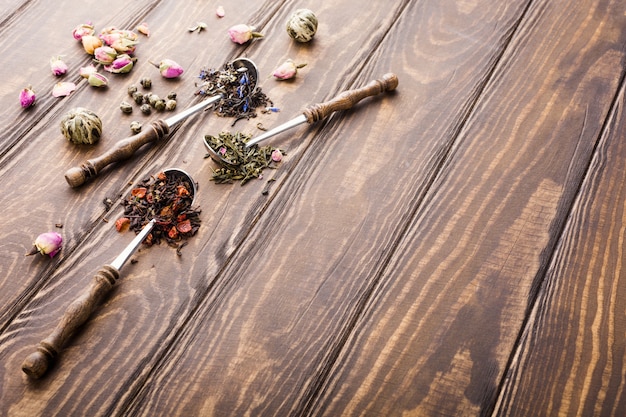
(450, 248)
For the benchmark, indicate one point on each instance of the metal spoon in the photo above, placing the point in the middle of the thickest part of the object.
(159, 129)
(317, 112)
(77, 313)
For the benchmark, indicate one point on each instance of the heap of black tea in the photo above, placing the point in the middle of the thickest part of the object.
(240, 98)
(166, 198)
(245, 163)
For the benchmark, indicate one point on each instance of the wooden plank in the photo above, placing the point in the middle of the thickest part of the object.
(571, 358)
(146, 311)
(268, 336)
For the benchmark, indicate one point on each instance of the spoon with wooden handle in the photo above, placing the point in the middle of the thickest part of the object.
(78, 312)
(158, 129)
(317, 112)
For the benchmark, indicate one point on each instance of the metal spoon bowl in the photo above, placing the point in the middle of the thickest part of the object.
(78, 312)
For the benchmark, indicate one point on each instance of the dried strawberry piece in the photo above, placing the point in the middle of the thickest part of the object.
(139, 192)
(122, 224)
(173, 233)
(184, 227)
(182, 191)
(161, 176)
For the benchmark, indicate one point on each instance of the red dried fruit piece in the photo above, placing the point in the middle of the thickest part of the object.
(122, 224)
(184, 227)
(139, 192)
(181, 218)
(161, 176)
(166, 211)
(173, 233)
(182, 191)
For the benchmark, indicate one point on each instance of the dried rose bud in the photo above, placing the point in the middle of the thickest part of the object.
(220, 11)
(121, 65)
(169, 68)
(277, 155)
(242, 33)
(47, 244)
(123, 41)
(143, 29)
(27, 97)
(287, 70)
(97, 80)
(63, 89)
(105, 55)
(85, 72)
(84, 29)
(57, 66)
(90, 43)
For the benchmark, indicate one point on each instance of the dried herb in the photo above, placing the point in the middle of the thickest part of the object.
(236, 85)
(245, 163)
(168, 199)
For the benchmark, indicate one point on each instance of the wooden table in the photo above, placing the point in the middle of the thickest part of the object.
(453, 248)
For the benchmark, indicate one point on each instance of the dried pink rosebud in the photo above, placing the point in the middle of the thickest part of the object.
(169, 68)
(57, 66)
(63, 89)
(90, 43)
(143, 29)
(220, 11)
(242, 33)
(85, 72)
(97, 80)
(123, 41)
(121, 65)
(104, 54)
(84, 29)
(287, 70)
(27, 97)
(277, 155)
(47, 244)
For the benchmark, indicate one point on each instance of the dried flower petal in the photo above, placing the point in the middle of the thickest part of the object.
(139, 192)
(85, 72)
(143, 29)
(57, 66)
(220, 11)
(62, 89)
(97, 80)
(27, 97)
(47, 244)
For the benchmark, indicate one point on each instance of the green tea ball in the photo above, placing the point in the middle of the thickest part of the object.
(302, 25)
(81, 126)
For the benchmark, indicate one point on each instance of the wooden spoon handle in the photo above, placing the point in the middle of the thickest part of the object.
(347, 99)
(122, 150)
(38, 362)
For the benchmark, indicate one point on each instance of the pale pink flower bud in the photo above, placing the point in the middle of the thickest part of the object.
(220, 11)
(83, 29)
(277, 155)
(85, 72)
(169, 68)
(242, 33)
(57, 66)
(121, 65)
(47, 244)
(104, 54)
(97, 80)
(27, 97)
(90, 43)
(123, 41)
(287, 70)
(63, 89)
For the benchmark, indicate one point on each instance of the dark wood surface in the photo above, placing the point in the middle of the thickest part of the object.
(455, 247)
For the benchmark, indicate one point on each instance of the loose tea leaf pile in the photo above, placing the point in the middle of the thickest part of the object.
(245, 163)
(239, 97)
(168, 199)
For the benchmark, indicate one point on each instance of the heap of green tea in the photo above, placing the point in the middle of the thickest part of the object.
(244, 163)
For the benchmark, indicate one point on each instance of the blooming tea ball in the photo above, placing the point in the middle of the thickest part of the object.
(302, 25)
(81, 126)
